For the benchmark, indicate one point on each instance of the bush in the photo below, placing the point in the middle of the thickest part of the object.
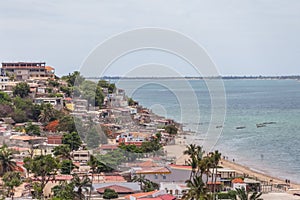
(110, 194)
(171, 129)
(229, 195)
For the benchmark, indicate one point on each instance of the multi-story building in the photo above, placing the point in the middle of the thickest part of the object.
(28, 70)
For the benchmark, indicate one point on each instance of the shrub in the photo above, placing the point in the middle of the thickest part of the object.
(110, 194)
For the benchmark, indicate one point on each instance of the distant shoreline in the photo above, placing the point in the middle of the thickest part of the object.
(291, 77)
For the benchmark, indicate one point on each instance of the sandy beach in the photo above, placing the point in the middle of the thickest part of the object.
(176, 151)
(260, 176)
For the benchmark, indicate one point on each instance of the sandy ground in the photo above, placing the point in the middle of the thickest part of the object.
(279, 196)
(263, 177)
(177, 150)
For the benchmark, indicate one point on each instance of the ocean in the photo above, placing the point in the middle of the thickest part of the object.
(272, 148)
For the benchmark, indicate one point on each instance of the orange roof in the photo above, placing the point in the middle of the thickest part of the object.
(141, 194)
(213, 183)
(237, 180)
(48, 68)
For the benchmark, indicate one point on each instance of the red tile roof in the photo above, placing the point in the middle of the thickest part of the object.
(167, 197)
(237, 180)
(140, 194)
(117, 188)
(161, 197)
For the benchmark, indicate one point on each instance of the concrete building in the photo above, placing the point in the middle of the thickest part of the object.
(28, 70)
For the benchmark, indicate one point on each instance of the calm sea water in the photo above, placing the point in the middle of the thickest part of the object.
(273, 149)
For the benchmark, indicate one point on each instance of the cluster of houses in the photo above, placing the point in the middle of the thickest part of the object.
(122, 124)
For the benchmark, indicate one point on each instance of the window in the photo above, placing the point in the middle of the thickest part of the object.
(155, 176)
(164, 177)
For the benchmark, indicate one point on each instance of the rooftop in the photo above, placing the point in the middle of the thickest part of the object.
(117, 188)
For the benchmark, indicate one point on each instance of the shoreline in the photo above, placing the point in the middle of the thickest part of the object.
(177, 149)
(253, 173)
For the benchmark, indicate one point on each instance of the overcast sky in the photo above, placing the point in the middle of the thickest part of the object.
(249, 37)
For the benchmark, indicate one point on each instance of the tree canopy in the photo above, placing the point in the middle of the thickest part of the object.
(22, 89)
(72, 139)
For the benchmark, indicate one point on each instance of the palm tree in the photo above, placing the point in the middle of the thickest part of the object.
(141, 179)
(6, 160)
(191, 150)
(244, 195)
(195, 153)
(81, 184)
(215, 158)
(197, 189)
(47, 113)
(193, 162)
(93, 163)
(145, 184)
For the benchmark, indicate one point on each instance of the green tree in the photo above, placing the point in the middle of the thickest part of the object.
(111, 88)
(21, 89)
(99, 97)
(74, 78)
(197, 189)
(4, 98)
(6, 110)
(66, 90)
(24, 109)
(44, 168)
(7, 163)
(131, 102)
(171, 129)
(145, 184)
(66, 167)
(53, 83)
(72, 139)
(244, 195)
(215, 159)
(31, 129)
(67, 124)
(64, 191)
(88, 90)
(47, 113)
(110, 194)
(104, 84)
(196, 159)
(81, 184)
(62, 151)
(11, 180)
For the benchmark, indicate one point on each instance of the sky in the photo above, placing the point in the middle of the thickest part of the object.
(249, 37)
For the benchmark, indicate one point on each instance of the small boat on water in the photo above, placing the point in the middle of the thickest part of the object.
(269, 123)
(240, 127)
(260, 125)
